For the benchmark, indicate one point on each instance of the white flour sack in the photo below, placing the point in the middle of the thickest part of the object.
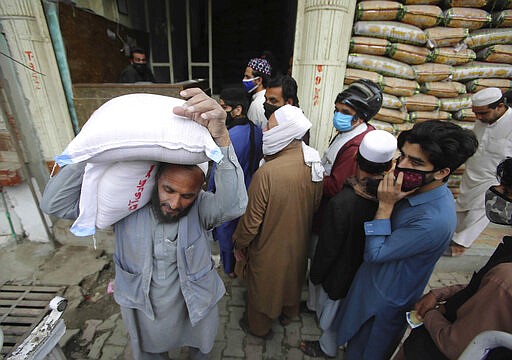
(111, 191)
(140, 127)
(122, 143)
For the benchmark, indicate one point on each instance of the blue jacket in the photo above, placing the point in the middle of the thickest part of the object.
(249, 153)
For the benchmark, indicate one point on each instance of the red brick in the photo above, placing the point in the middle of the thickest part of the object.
(10, 177)
(5, 142)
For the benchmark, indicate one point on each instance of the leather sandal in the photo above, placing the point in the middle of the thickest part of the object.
(303, 308)
(284, 320)
(312, 348)
(454, 250)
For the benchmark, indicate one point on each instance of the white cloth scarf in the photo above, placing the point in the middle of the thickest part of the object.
(291, 125)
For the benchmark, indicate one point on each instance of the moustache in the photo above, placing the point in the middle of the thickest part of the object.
(167, 205)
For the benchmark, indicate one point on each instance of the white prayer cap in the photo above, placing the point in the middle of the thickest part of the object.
(486, 96)
(378, 146)
(293, 120)
(204, 166)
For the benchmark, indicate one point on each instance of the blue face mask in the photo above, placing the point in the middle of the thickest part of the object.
(249, 84)
(342, 122)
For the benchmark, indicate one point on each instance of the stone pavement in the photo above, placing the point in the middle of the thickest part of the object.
(94, 326)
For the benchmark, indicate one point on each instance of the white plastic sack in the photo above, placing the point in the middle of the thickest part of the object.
(124, 188)
(111, 191)
(140, 127)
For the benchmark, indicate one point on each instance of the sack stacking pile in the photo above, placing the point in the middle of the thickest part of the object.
(430, 56)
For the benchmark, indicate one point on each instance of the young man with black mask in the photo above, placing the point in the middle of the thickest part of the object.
(247, 142)
(137, 70)
(281, 90)
(412, 227)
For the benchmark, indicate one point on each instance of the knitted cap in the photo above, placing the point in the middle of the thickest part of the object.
(260, 65)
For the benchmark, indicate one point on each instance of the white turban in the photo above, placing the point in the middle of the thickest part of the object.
(291, 125)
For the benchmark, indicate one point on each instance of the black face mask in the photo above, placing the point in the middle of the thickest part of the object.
(413, 178)
(269, 109)
(372, 185)
(140, 68)
(229, 118)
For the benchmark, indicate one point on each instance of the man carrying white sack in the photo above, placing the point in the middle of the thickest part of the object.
(493, 130)
(165, 281)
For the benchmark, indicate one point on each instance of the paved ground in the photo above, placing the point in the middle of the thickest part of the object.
(94, 326)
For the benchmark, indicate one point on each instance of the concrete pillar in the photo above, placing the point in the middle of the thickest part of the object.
(322, 40)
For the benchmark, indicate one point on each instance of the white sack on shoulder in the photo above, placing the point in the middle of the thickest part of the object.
(112, 191)
(141, 127)
(124, 188)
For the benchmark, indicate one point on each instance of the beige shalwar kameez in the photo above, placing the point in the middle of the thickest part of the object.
(275, 231)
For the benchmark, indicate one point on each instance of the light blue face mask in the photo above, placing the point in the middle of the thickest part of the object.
(342, 122)
(249, 84)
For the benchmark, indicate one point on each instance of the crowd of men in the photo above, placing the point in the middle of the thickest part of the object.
(371, 217)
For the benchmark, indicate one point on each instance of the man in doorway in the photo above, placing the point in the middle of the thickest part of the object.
(165, 283)
(137, 70)
(256, 75)
(412, 227)
(493, 130)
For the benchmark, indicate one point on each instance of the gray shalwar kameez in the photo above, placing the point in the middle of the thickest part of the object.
(169, 305)
(165, 283)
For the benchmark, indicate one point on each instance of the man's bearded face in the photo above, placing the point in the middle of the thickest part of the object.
(177, 189)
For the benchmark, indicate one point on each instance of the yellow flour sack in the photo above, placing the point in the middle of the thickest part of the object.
(443, 37)
(469, 18)
(443, 89)
(422, 16)
(399, 87)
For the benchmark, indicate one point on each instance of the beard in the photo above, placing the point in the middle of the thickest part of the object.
(162, 216)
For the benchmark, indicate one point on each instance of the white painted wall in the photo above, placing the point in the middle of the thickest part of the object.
(24, 210)
(6, 236)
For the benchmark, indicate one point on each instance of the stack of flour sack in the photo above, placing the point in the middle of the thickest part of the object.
(122, 143)
(429, 56)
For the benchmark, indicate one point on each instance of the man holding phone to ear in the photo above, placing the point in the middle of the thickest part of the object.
(413, 225)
